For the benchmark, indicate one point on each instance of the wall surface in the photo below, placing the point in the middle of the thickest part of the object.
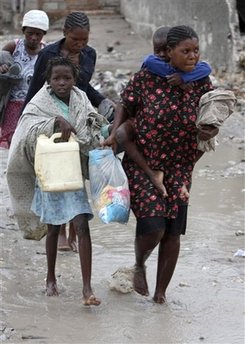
(9, 9)
(215, 21)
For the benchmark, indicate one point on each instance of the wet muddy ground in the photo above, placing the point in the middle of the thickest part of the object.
(206, 295)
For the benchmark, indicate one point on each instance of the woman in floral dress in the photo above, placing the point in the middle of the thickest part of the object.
(166, 135)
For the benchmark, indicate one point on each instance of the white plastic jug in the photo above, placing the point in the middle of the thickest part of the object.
(57, 164)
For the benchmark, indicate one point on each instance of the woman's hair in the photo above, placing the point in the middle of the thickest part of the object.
(77, 19)
(178, 34)
(61, 61)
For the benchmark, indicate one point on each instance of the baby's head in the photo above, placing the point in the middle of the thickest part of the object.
(61, 75)
(159, 40)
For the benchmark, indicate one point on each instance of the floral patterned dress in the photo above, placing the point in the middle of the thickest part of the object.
(166, 135)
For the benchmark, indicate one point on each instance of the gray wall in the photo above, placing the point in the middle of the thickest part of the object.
(215, 21)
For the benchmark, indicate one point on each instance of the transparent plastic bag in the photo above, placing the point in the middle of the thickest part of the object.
(109, 186)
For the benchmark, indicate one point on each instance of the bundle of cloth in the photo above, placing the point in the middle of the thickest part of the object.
(7, 80)
(214, 108)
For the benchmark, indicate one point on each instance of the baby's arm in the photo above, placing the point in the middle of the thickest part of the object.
(202, 70)
(159, 67)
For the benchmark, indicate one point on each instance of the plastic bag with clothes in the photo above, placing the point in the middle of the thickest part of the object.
(109, 186)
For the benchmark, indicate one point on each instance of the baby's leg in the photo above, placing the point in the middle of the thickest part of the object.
(125, 136)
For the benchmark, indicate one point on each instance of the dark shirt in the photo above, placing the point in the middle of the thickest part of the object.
(87, 62)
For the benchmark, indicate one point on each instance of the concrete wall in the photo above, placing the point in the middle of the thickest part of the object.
(215, 21)
(12, 10)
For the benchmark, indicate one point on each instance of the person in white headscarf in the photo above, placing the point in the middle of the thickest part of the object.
(24, 52)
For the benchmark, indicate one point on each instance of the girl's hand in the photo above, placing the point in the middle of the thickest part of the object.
(64, 127)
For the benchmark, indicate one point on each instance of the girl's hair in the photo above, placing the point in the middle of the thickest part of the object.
(77, 19)
(178, 34)
(61, 61)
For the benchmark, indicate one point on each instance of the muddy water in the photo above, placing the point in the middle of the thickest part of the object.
(205, 297)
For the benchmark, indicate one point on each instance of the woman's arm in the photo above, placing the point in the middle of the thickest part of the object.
(38, 78)
(121, 115)
(10, 47)
(94, 96)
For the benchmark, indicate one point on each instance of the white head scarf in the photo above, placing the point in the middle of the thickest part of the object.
(37, 19)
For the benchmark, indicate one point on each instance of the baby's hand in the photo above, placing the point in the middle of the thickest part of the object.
(187, 87)
(174, 79)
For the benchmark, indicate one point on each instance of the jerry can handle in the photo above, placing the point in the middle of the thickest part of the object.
(58, 135)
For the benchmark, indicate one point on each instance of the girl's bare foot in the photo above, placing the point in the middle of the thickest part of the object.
(140, 283)
(51, 289)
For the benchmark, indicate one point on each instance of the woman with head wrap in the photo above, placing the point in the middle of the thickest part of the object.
(24, 53)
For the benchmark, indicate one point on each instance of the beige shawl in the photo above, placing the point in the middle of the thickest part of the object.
(38, 118)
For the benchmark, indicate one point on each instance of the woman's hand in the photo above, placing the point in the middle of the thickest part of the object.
(4, 68)
(64, 127)
(184, 193)
(207, 132)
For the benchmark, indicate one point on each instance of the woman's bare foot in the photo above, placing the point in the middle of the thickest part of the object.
(140, 283)
(63, 244)
(157, 180)
(91, 300)
(159, 298)
(73, 245)
(184, 193)
(72, 239)
(51, 289)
